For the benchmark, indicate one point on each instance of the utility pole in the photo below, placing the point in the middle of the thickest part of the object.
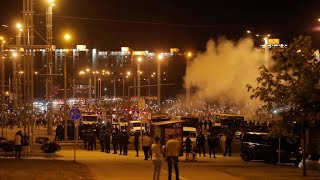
(16, 73)
(65, 98)
(49, 67)
(28, 63)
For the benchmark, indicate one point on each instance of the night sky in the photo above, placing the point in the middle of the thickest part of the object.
(161, 24)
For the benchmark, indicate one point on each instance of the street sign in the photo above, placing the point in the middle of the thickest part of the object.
(75, 114)
(135, 114)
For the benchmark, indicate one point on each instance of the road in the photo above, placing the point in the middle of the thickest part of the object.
(117, 167)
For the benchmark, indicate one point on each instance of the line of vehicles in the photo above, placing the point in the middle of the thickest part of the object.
(256, 144)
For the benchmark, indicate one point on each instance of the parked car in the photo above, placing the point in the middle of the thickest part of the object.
(259, 146)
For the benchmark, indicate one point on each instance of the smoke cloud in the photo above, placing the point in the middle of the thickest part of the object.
(222, 72)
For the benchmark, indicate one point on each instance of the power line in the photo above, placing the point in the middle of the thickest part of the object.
(132, 22)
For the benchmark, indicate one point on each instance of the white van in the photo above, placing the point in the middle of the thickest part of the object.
(136, 126)
(89, 118)
(192, 131)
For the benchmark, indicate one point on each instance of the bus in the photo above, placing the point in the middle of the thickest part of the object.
(234, 121)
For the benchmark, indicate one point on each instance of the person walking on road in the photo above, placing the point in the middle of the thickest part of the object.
(146, 143)
(172, 153)
(156, 151)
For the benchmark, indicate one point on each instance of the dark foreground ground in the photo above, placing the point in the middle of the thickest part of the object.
(41, 169)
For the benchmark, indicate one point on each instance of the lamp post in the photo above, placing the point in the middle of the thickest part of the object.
(67, 38)
(49, 37)
(95, 73)
(160, 57)
(138, 75)
(89, 91)
(127, 76)
(266, 50)
(189, 55)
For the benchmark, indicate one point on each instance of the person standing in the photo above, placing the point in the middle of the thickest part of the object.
(17, 144)
(146, 142)
(25, 145)
(102, 140)
(172, 152)
(200, 144)
(107, 142)
(58, 133)
(200, 125)
(205, 125)
(136, 143)
(115, 141)
(210, 124)
(211, 145)
(228, 144)
(121, 141)
(125, 142)
(156, 151)
(223, 139)
(188, 147)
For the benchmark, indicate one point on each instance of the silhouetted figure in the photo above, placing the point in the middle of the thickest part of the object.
(200, 144)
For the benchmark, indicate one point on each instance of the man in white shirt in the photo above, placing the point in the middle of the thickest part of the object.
(17, 144)
(146, 143)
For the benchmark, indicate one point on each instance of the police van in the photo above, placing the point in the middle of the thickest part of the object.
(89, 118)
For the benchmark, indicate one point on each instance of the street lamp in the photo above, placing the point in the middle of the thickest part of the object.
(189, 55)
(95, 73)
(160, 57)
(138, 75)
(67, 38)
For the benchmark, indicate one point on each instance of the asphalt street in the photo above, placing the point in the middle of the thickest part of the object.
(118, 167)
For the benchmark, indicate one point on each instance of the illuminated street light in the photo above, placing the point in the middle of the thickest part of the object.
(51, 2)
(88, 70)
(248, 31)
(14, 54)
(18, 26)
(128, 73)
(67, 37)
(160, 57)
(189, 54)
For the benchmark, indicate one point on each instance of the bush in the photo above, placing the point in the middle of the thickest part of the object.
(7, 146)
(50, 147)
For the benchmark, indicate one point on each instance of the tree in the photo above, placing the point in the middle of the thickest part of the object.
(291, 84)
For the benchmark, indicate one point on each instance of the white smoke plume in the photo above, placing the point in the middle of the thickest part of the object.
(222, 72)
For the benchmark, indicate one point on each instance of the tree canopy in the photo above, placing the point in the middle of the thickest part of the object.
(291, 84)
